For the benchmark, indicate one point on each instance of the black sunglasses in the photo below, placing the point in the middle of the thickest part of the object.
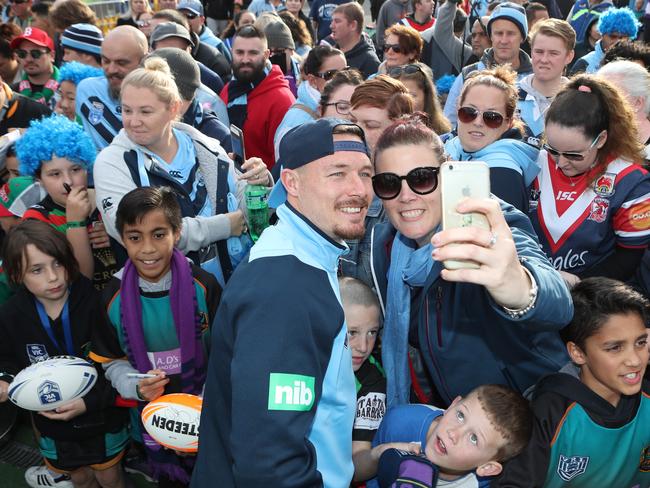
(423, 180)
(492, 119)
(327, 75)
(407, 69)
(190, 15)
(34, 53)
(19, 2)
(395, 47)
(571, 156)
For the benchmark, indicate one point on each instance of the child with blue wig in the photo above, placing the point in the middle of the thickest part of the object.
(614, 25)
(70, 75)
(59, 154)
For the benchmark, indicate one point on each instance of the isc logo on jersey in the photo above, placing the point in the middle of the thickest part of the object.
(291, 392)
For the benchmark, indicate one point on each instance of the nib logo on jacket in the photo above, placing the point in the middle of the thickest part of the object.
(291, 392)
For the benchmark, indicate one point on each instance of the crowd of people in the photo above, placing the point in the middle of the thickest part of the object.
(361, 339)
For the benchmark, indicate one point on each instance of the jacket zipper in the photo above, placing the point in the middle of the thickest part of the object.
(439, 320)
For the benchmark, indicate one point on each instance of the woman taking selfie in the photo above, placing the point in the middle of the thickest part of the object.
(488, 131)
(502, 317)
(155, 150)
(589, 204)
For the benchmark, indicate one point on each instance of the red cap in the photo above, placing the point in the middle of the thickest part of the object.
(35, 35)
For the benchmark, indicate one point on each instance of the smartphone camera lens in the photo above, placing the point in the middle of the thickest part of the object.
(451, 167)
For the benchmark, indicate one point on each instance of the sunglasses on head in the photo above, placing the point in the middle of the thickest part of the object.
(492, 119)
(34, 53)
(423, 180)
(407, 69)
(571, 156)
(395, 47)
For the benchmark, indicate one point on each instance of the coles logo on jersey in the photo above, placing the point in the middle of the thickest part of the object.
(604, 185)
(571, 466)
(599, 209)
(36, 353)
(291, 392)
(370, 410)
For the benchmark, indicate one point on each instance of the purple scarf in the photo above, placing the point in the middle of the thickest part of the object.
(182, 297)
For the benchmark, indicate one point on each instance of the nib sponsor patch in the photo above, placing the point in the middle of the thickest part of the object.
(291, 392)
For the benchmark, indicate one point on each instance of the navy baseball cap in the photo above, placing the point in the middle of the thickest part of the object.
(309, 142)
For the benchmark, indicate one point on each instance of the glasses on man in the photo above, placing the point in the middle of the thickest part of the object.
(492, 119)
(570, 155)
(342, 108)
(34, 53)
(395, 47)
(407, 69)
(422, 180)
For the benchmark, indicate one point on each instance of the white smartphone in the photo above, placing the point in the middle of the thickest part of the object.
(459, 180)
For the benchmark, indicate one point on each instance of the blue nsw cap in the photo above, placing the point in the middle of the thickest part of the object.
(309, 142)
(191, 6)
(514, 13)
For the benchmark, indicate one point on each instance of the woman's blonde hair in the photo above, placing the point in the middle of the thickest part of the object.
(502, 78)
(155, 75)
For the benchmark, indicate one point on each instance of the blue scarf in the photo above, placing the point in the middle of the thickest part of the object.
(409, 267)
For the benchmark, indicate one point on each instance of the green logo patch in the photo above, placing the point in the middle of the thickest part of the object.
(291, 392)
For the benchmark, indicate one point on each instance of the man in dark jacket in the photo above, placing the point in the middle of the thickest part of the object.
(347, 28)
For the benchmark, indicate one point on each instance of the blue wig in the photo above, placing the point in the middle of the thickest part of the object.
(444, 84)
(55, 136)
(620, 21)
(74, 72)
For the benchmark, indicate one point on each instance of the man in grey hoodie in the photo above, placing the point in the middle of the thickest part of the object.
(508, 29)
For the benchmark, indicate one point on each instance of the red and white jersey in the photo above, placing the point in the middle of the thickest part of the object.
(580, 220)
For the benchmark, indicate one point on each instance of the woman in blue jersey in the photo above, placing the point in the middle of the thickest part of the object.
(488, 131)
(590, 204)
(155, 150)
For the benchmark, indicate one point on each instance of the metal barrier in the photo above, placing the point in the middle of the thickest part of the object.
(108, 12)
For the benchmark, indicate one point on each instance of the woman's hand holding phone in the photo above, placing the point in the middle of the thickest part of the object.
(254, 172)
(493, 250)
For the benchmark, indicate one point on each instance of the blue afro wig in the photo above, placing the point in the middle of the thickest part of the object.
(620, 21)
(74, 72)
(55, 136)
(444, 83)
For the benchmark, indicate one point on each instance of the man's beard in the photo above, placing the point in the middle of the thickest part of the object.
(248, 76)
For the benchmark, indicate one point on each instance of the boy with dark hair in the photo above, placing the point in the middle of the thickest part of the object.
(160, 307)
(592, 418)
(467, 443)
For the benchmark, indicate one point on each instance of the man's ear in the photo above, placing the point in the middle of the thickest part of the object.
(491, 468)
(575, 353)
(291, 181)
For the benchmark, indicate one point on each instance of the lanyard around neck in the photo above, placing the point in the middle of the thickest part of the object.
(67, 330)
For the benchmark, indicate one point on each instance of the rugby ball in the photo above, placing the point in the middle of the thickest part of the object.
(48, 384)
(173, 421)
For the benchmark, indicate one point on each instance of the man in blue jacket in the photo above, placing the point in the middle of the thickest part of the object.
(280, 396)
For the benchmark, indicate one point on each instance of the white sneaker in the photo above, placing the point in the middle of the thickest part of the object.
(40, 477)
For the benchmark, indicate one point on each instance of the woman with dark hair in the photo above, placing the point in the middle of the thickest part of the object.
(494, 324)
(299, 32)
(402, 45)
(294, 7)
(589, 204)
(418, 79)
(9, 67)
(322, 63)
(335, 99)
(489, 131)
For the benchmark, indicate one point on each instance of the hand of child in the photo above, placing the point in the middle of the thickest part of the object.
(68, 411)
(4, 389)
(152, 388)
(77, 206)
(237, 222)
(254, 172)
(98, 236)
(412, 447)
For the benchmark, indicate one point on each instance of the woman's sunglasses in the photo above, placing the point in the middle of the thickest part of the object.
(423, 180)
(329, 74)
(408, 69)
(395, 47)
(492, 119)
(571, 156)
